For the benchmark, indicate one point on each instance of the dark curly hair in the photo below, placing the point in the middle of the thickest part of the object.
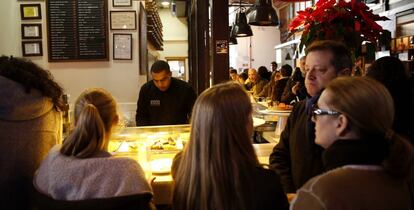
(31, 76)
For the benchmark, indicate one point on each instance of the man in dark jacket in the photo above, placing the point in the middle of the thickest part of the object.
(280, 84)
(164, 100)
(296, 157)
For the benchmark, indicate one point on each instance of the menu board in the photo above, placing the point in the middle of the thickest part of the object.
(77, 30)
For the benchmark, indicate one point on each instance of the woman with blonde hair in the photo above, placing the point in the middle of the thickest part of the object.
(82, 168)
(218, 168)
(367, 164)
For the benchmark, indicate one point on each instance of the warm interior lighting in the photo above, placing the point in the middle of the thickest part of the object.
(165, 3)
(263, 14)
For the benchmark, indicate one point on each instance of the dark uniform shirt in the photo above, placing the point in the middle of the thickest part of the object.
(169, 107)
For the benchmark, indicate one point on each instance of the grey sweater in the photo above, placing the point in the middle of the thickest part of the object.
(70, 178)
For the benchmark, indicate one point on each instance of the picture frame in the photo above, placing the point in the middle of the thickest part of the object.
(121, 3)
(122, 46)
(32, 48)
(30, 11)
(123, 20)
(31, 31)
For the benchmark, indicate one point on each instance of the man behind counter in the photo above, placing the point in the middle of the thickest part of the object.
(164, 100)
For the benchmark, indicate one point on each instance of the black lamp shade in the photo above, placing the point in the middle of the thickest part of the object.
(263, 14)
(288, 57)
(232, 39)
(241, 28)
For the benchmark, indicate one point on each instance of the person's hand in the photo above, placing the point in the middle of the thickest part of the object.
(296, 88)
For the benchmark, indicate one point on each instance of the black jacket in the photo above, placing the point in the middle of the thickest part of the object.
(170, 107)
(267, 192)
(288, 96)
(296, 158)
(279, 88)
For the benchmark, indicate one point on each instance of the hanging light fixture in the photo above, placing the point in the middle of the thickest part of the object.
(263, 14)
(232, 38)
(232, 41)
(240, 26)
(288, 57)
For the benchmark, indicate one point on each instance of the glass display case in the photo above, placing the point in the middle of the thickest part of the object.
(153, 147)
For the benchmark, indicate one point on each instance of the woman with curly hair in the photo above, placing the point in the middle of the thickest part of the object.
(30, 124)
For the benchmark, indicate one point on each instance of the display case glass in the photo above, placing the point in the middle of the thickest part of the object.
(153, 147)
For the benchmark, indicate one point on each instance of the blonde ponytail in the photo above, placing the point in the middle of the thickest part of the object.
(95, 112)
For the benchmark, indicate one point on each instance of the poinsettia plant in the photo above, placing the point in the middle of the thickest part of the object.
(350, 22)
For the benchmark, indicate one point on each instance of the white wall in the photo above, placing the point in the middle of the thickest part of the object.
(257, 50)
(121, 78)
(175, 31)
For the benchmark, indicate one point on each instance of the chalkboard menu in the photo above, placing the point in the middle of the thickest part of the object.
(77, 30)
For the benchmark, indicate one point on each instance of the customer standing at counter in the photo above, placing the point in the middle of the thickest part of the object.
(82, 168)
(296, 157)
(295, 88)
(30, 124)
(218, 168)
(391, 73)
(366, 162)
(280, 84)
(164, 100)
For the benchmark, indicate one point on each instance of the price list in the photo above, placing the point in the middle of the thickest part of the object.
(77, 30)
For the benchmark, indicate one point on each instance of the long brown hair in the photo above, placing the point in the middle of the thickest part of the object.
(95, 114)
(370, 109)
(219, 155)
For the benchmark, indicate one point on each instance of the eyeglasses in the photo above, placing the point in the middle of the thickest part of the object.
(316, 112)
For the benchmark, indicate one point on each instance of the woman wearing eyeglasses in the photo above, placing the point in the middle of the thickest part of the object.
(367, 164)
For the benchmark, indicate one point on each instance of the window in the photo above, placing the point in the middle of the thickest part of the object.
(178, 67)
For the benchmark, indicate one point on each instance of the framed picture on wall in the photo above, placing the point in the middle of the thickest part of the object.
(31, 31)
(30, 11)
(32, 48)
(123, 20)
(122, 44)
(121, 3)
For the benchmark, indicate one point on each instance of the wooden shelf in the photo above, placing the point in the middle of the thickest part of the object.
(154, 25)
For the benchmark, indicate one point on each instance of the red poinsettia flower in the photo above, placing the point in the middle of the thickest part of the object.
(351, 22)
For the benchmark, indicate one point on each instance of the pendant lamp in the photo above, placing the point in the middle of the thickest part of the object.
(240, 27)
(288, 57)
(232, 39)
(263, 14)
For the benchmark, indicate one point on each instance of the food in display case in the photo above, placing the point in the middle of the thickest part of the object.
(281, 106)
(153, 147)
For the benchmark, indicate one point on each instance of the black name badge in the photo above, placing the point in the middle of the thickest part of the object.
(155, 103)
